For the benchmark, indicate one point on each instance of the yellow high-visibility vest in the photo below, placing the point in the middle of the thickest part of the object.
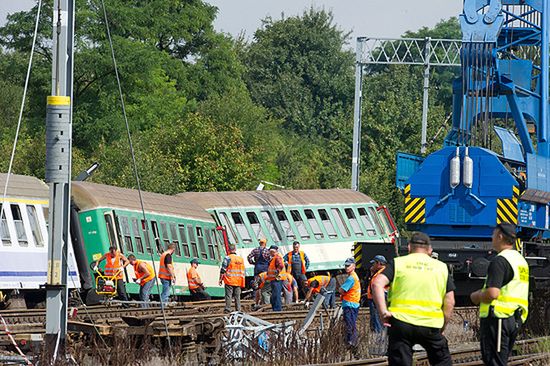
(514, 294)
(417, 291)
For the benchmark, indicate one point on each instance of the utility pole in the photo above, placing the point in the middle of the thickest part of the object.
(425, 94)
(58, 174)
(356, 152)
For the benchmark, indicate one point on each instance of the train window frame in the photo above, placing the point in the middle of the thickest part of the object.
(210, 244)
(201, 242)
(137, 236)
(255, 225)
(224, 220)
(145, 230)
(367, 221)
(298, 214)
(218, 237)
(327, 223)
(184, 242)
(192, 240)
(314, 224)
(18, 222)
(270, 226)
(4, 227)
(156, 236)
(110, 226)
(340, 222)
(285, 224)
(242, 230)
(34, 224)
(126, 235)
(376, 220)
(175, 239)
(165, 235)
(354, 222)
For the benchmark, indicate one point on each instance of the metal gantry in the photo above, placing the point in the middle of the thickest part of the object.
(425, 52)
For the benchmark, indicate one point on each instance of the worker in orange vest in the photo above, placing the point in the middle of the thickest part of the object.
(196, 286)
(290, 287)
(145, 276)
(166, 273)
(297, 264)
(275, 268)
(262, 289)
(114, 266)
(322, 284)
(350, 292)
(378, 264)
(232, 274)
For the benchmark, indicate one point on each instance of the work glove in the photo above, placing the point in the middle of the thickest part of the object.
(96, 268)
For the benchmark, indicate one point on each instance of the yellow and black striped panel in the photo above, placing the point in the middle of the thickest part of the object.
(357, 254)
(507, 208)
(415, 208)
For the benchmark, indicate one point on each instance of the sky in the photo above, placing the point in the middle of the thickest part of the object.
(371, 18)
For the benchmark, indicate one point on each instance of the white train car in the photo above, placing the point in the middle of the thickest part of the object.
(24, 236)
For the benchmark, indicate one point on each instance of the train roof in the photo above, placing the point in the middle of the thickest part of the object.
(211, 200)
(89, 195)
(24, 186)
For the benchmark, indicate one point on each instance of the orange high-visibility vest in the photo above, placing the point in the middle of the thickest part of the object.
(354, 293)
(263, 277)
(289, 260)
(234, 274)
(323, 283)
(113, 265)
(164, 272)
(272, 271)
(140, 274)
(369, 287)
(193, 279)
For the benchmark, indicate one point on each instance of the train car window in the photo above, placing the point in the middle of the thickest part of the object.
(273, 230)
(314, 224)
(202, 245)
(340, 222)
(299, 222)
(35, 228)
(184, 243)
(165, 237)
(241, 227)
(192, 240)
(174, 232)
(19, 227)
(127, 236)
(137, 235)
(374, 215)
(219, 241)
(145, 231)
(228, 228)
(365, 219)
(255, 224)
(156, 235)
(327, 223)
(353, 222)
(4, 231)
(110, 229)
(210, 241)
(285, 224)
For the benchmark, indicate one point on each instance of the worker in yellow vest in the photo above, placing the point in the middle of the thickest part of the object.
(350, 292)
(421, 302)
(232, 275)
(297, 263)
(144, 278)
(503, 300)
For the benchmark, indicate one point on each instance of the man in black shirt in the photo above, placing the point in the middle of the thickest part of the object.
(504, 298)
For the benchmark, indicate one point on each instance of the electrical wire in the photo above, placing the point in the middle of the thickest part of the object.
(21, 109)
(134, 165)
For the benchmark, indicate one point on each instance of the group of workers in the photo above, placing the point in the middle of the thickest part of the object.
(412, 295)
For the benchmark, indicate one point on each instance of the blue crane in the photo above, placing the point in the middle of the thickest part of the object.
(494, 166)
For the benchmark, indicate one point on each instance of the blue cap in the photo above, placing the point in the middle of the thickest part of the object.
(349, 261)
(195, 260)
(379, 259)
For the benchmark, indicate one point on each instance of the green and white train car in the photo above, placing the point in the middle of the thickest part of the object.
(112, 216)
(326, 222)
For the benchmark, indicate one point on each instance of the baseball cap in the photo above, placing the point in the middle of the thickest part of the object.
(379, 259)
(507, 229)
(419, 238)
(195, 260)
(349, 261)
(274, 247)
(263, 240)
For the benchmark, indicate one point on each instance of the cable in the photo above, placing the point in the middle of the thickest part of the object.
(134, 165)
(12, 157)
